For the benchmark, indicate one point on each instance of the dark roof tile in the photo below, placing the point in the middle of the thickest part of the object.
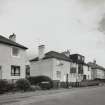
(53, 54)
(95, 66)
(9, 42)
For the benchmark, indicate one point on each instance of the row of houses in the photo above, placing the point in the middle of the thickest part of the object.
(63, 66)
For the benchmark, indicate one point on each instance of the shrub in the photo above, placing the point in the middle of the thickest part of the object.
(56, 84)
(11, 87)
(3, 86)
(43, 81)
(23, 84)
(89, 83)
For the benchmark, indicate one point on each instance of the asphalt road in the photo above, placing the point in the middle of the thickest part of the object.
(94, 96)
(83, 96)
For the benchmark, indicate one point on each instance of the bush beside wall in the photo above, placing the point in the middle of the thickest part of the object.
(23, 84)
(3, 86)
(43, 81)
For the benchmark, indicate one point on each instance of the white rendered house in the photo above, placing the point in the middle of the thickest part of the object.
(13, 59)
(59, 66)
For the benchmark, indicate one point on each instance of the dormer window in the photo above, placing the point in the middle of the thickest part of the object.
(15, 51)
(79, 58)
(83, 58)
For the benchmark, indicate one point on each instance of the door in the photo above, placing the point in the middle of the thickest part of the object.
(0, 72)
(84, 77)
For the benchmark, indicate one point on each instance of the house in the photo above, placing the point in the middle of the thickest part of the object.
(61, 67)
(79, 69)
(13, 59)
(98, 72)
(52, 64)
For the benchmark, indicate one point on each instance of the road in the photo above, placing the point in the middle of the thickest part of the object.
(80, 96)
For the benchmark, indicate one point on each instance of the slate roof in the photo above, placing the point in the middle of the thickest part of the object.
(53, 54)
(9, 42)
(96, 66)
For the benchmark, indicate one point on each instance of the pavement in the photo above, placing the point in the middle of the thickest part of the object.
(75, 96)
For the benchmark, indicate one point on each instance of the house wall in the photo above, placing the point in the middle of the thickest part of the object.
(42, 67)
(87, 72)
(49, 67)
(6, 60)
(73, 76)
(63, 67)
(100, 74)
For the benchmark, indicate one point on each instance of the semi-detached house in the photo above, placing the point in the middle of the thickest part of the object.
(13, 59)
(98, 72)
(59, 66)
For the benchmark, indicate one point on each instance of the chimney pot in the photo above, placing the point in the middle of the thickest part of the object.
(94, 61)
(67, 53)
(41, 49)
(12, 37)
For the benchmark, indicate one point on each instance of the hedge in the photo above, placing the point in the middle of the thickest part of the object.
(43, 81)
(23, 85)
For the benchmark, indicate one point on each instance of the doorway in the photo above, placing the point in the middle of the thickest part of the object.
(0, 72)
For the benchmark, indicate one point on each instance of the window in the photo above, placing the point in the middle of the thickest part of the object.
(83, 58)
(0, 67)
(27, 71)
(88, 68)
(88, 76)
(15, 51)
(58, 73)
(0, 72)
(79, 57)
(80, 69)
(73, 70)
(15, 70)
(84, 77)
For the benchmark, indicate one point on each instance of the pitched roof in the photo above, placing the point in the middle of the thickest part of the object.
(10, 42)
(95, 66)
(76, 55)
(53, 54)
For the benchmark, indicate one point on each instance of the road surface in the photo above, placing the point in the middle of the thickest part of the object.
(80, 96)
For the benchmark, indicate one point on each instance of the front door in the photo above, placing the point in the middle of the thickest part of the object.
(0, 72)
(84, 77)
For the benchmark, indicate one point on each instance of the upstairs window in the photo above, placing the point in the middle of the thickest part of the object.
(79, 57)
(58, 74)
(80, 69)
(15, 70)
(73, 70)
(15, 51)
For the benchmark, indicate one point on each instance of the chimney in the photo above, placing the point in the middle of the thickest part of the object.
(12, 37)
(94, 61)
(41, 50)
(67, 53)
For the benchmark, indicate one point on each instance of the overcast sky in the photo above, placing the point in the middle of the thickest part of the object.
(77, 25)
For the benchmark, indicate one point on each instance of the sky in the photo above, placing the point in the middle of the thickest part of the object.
(77, 25)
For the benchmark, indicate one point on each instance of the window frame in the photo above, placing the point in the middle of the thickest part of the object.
(14, 70)
(12, 51)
